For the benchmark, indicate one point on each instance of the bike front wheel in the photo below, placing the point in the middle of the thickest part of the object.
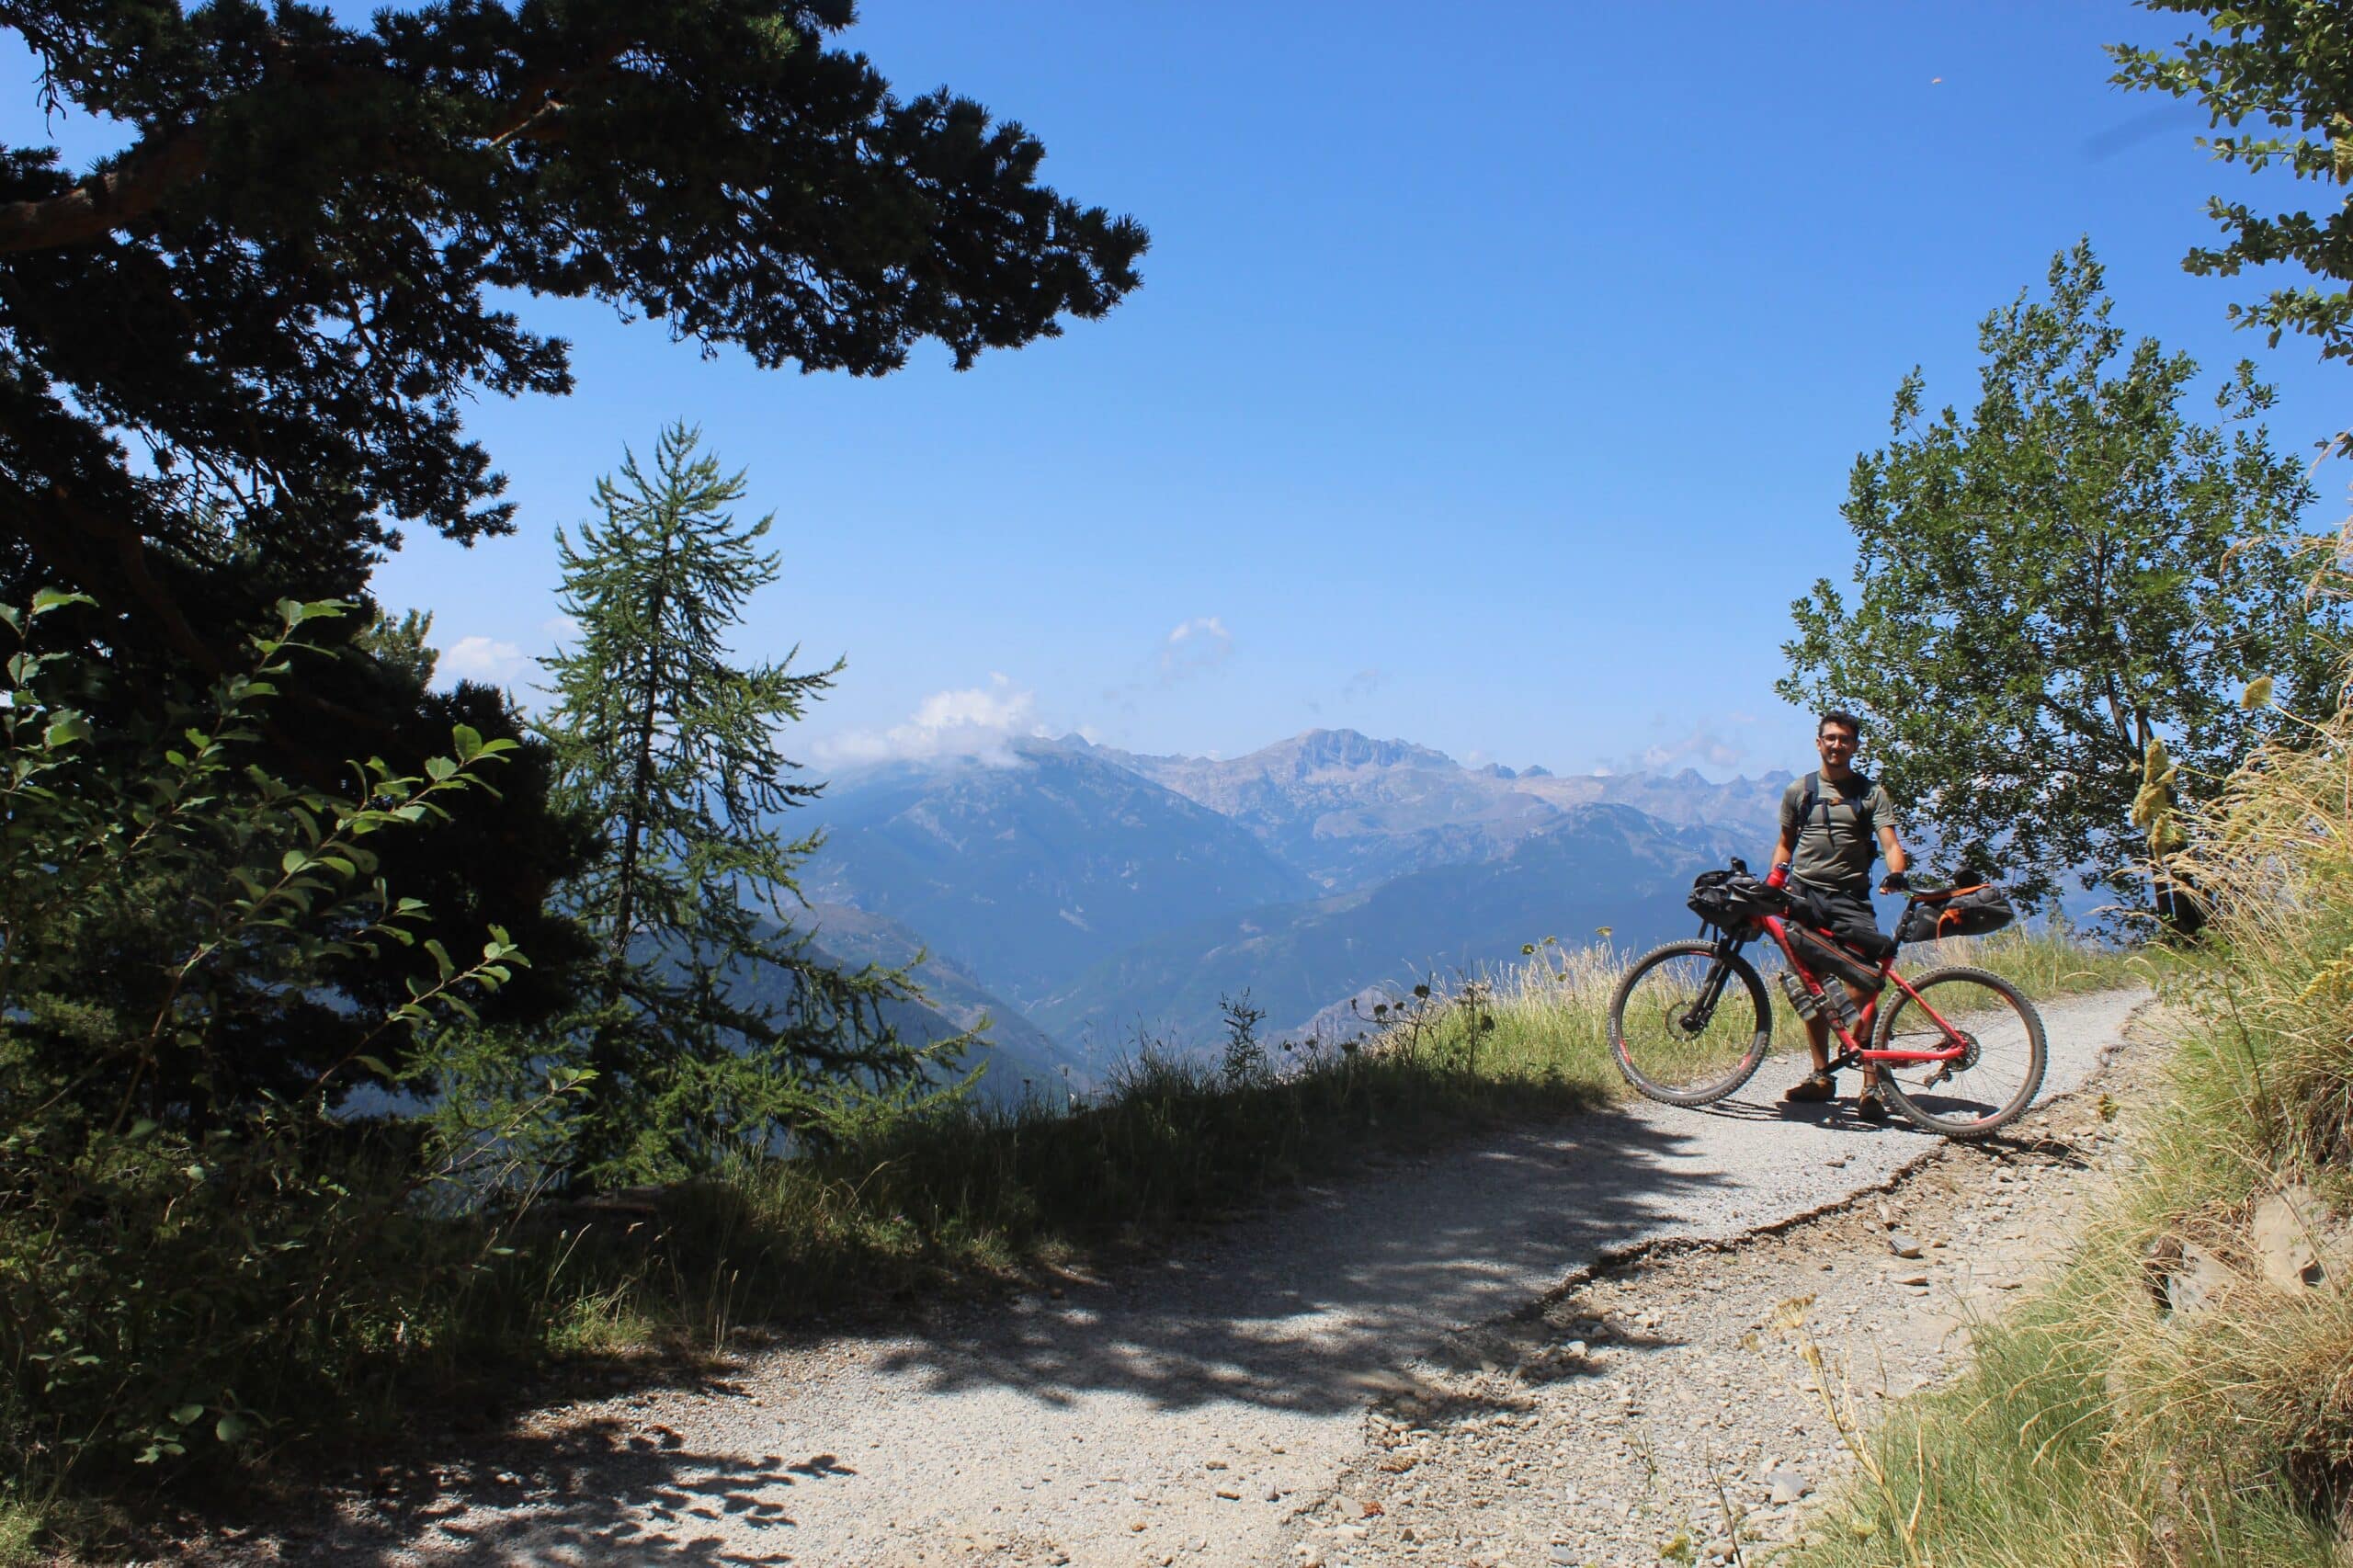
(1689, 1023)
(2000, 1069)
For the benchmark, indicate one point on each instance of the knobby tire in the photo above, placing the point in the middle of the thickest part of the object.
(1945, 989)
(1650, 989)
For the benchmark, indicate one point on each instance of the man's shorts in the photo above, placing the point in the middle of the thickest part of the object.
(1845, 914)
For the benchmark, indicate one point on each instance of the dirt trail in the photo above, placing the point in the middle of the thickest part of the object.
(1231, 1403)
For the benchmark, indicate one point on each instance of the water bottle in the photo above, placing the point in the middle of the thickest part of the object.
(1808, 1005)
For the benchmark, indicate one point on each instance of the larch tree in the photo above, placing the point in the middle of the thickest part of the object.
(709, 1024)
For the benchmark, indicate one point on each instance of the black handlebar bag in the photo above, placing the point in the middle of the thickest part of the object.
(1734, 901)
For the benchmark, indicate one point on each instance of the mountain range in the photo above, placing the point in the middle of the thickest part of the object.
(1088, 897)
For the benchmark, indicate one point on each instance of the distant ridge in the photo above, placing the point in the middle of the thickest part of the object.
(1096, 889)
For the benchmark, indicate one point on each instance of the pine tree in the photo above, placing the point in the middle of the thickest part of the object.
(710, 1022)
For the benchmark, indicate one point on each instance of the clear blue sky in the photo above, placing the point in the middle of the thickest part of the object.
(1492, 385)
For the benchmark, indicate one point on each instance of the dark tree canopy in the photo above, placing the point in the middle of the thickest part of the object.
(234, 357)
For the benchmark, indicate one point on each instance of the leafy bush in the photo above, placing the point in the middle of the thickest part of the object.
(198, 1250)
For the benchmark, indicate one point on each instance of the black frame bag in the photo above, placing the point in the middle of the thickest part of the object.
(1964, 911)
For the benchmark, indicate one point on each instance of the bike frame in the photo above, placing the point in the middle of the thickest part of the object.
(1868, 1013)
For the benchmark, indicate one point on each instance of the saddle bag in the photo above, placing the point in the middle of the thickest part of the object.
(1964, 911)
(1827, 958)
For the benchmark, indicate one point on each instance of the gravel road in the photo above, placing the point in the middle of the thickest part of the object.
(1202, 1409)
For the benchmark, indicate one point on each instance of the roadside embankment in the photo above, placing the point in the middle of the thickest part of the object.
(2182, 1393)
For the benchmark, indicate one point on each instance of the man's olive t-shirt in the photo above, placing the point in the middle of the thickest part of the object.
(1835, 844)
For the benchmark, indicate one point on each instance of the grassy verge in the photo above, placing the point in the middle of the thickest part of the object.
(451, 1312)
(2183, 1393)
(2043, 961)
(977, 1194)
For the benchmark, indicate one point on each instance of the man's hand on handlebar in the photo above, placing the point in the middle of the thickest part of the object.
(1895, 882)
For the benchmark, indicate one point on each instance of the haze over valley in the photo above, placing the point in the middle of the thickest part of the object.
(1091, 899)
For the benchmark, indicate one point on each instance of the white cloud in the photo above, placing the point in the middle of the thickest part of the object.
(1196, 647)
(560, 628)
(974, 722)
(484, 659)
(1702, 745)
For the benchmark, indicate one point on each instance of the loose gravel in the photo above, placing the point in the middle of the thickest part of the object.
(1663, 1409)
(1384, 1370)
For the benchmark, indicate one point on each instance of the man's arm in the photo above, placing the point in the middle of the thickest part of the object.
(1783, 849)
(1898, 862)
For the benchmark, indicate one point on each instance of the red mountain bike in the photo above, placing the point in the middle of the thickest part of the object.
(1958, 1050)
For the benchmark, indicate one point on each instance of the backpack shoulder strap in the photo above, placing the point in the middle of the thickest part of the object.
(1806, 807)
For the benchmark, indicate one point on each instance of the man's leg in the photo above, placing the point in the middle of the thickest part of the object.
(1871, 1069)
(1818, 1086)
(1817, 1040)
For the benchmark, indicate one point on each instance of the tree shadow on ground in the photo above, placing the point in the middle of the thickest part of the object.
(1311, 1307)
(1310, 1310)
(597, 1492)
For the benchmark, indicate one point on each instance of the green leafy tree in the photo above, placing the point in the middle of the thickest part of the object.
(672, 752)
(2047, 589)
(2286, 68)
(198, 1238)
(179, 929)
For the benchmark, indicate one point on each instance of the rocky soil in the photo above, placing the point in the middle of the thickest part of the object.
(1662, 1409)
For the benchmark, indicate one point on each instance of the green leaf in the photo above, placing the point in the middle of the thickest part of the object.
(186, 1414)
(64, 729)
(231, 1427)
(439, 768)
(47, 599)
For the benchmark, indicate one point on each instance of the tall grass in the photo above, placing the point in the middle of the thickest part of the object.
(2100, 1425)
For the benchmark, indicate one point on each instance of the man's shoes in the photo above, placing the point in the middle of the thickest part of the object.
(1871, 1106)
(1817, 1086)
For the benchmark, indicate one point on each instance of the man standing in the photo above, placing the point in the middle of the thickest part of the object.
(1835, 822)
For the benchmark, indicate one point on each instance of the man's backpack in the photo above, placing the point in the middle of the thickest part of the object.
(1963, 912)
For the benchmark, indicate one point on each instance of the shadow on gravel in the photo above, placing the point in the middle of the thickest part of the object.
(597, 1492)
(1304, 1310)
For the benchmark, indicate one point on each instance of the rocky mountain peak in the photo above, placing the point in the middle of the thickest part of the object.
(1319, 751)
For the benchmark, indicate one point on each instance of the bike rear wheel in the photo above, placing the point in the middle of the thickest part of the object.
(1689, 1023)
(1989, 1087)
